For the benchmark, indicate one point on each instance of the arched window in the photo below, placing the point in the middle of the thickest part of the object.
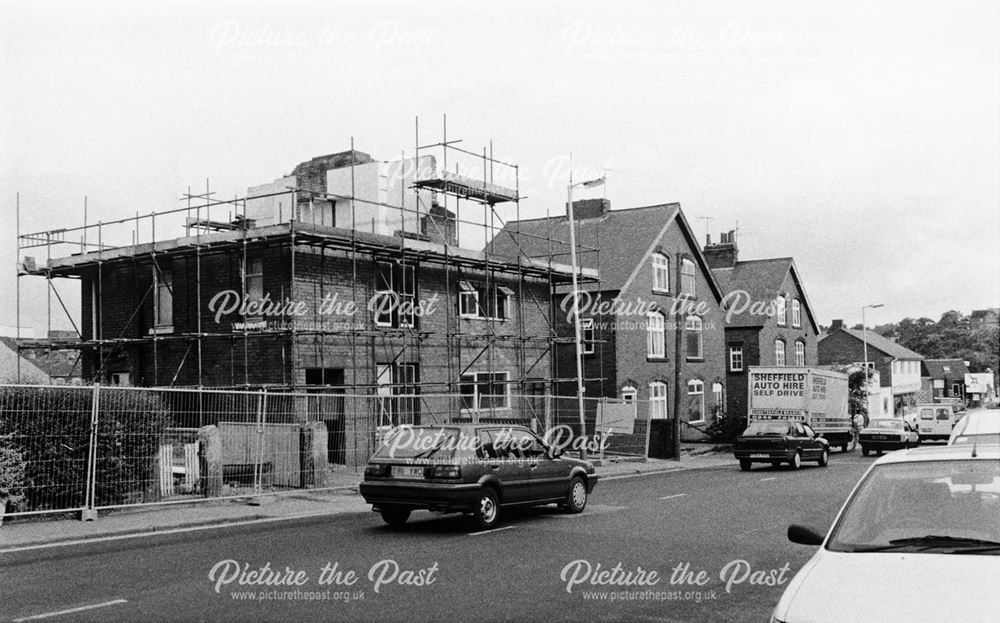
(687, 277)
(692, 328)
(655, 335)
(658, 400)
(779, 352)
(800, 353)
(661, 272)
(696, 401)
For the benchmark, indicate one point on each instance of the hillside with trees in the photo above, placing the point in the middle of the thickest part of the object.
(953, 336)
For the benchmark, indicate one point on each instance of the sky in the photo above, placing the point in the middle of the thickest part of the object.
(860, 138)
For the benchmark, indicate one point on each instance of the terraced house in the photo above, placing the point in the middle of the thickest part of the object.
(769, 319)
(652, 324)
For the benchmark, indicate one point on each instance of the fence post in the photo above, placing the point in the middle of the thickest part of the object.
(258, 469)
(89, 513)
(210, 441)
(649, 425)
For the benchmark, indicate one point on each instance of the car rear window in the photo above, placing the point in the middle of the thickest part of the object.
(927, 414)
(891, 424)
(767, 427)
(437, 443)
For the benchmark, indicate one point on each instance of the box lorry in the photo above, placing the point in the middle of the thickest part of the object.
(813, 396)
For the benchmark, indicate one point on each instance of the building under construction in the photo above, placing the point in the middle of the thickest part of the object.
(349, 274)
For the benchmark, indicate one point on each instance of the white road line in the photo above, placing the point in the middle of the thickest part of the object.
(769, 478)
(493, 530)
(140, 535)
(676, 495)
(36, 617)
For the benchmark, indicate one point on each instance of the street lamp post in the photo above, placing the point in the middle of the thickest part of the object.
(864, 335)
(576, 301)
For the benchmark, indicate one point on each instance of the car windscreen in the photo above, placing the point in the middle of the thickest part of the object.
(889, 424)
(414, 443)
(767, 427)
(932, 506)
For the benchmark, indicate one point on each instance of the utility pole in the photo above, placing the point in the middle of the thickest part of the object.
(678, 328)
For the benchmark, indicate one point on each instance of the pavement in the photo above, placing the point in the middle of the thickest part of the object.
(343, 497)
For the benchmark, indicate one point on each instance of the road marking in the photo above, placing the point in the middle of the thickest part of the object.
(140, 535)
(769, 478)
(676, 495)
(36, 617)
(492, 530)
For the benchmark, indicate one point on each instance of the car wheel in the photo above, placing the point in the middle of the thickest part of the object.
(394, 515)
(878, 452)
(843, 447)
(824, 458)
(796, 461)
(775, 463)
(576, 497)
(745, 465)
(487, 511)
(864, 451)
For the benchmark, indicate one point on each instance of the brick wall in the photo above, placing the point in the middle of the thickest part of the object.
(237, 359)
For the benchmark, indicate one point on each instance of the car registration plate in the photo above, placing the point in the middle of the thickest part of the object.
(407, 471)
(760, 456)
(879, 437)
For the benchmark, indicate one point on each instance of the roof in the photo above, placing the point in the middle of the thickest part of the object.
(983, 313)
(761, 279)
(941, 453)
(878, 342)
(945, 368)
(624, 238)
(30, 373)
(331, 238)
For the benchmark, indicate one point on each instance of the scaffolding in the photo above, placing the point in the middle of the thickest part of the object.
(219, 227)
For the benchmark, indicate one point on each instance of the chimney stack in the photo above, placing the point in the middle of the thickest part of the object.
(837, 324)
(724, 254)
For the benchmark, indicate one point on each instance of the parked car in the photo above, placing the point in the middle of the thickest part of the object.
(918, 540)
(473, 469)
(887, 434)
(780, 441)
(977, 427)
(935, 421)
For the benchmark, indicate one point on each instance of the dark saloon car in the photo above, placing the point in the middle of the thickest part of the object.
(887, 434)
(472, 468)
(780, 441)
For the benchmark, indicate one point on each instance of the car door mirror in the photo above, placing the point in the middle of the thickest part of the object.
(804, 535)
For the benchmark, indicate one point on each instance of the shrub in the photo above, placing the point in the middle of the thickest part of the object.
(12, 474)
(725, 428)
(50, 428)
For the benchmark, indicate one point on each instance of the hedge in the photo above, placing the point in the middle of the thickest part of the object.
(48, 429)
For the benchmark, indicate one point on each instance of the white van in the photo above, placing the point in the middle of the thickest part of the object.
(934, 421)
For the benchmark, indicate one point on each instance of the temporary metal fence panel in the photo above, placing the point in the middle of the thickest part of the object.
(45, 446)
(70, 448)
